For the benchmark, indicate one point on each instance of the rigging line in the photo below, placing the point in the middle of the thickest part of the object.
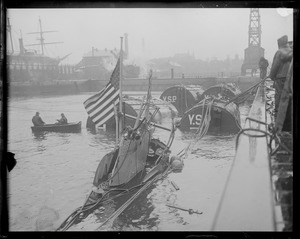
(81, 209)
(102, 199)
(248, 91)
(78, 211)
(168, 145)
(125, 205)
(203, 127)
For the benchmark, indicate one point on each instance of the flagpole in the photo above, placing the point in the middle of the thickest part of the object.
(120, 87)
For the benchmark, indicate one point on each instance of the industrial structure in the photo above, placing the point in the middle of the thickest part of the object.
(254, 52)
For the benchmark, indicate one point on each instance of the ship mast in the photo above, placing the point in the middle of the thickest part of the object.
(9, 30)
(42, 39)
(120, 88)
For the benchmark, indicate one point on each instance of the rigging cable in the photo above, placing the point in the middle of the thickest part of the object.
(203, 126)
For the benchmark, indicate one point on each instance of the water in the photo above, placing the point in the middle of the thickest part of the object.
(55, 171)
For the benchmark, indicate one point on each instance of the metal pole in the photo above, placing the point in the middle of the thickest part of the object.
(9, 29)
(120, 86)
(117, 124)
(41, 35)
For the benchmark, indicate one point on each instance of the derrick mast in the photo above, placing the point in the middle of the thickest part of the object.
(254, 52)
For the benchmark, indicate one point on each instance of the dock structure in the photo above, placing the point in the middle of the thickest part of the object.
(256, 196)
(63, 87)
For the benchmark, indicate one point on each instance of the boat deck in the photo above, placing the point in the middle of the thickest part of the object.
(258, 191)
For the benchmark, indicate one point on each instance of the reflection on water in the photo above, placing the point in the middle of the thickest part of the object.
(55, 172)
(39, 135)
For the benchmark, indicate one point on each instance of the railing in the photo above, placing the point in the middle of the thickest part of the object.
(247, 202)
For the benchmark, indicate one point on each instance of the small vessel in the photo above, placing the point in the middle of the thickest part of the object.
(217, 116)
(182, 97)
(207, 110)
(137, 161)
(72, 127)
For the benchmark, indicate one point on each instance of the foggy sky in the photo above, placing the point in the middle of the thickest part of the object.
(206, 33)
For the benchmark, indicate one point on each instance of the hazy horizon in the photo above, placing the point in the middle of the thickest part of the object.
(205, 33)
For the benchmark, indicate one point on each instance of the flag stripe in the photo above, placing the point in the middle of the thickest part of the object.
(93, 98)
(100, 107)
(107, 95)
(104, 120)
(100, 113)
(105, 116)
(95, 111)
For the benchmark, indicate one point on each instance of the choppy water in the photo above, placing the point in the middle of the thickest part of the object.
(54, 172)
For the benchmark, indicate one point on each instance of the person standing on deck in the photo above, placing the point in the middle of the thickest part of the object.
(263, 65)
(37, 120)
(279, 68)
(283, 120)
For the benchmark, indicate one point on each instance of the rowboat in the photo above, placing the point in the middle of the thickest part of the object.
(72, 127)
(137, 161)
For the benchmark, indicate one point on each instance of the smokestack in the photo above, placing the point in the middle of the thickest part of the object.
(126, 46)
(21, 46)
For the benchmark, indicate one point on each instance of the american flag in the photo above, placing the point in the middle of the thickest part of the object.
(100, 107)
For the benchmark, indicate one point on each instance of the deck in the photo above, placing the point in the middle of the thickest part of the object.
(258, 192)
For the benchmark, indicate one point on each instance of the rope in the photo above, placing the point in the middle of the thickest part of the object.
(107, 196)
(203, 126)
(273, 136)
(125, 205)
(128, 202)
(240, 98)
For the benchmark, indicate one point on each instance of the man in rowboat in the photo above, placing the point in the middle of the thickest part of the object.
(63, 119)
(37, 120)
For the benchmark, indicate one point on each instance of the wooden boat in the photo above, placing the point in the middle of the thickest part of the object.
(137, 161)
(72, 127)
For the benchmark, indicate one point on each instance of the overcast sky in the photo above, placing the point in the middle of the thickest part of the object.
(205, 32)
